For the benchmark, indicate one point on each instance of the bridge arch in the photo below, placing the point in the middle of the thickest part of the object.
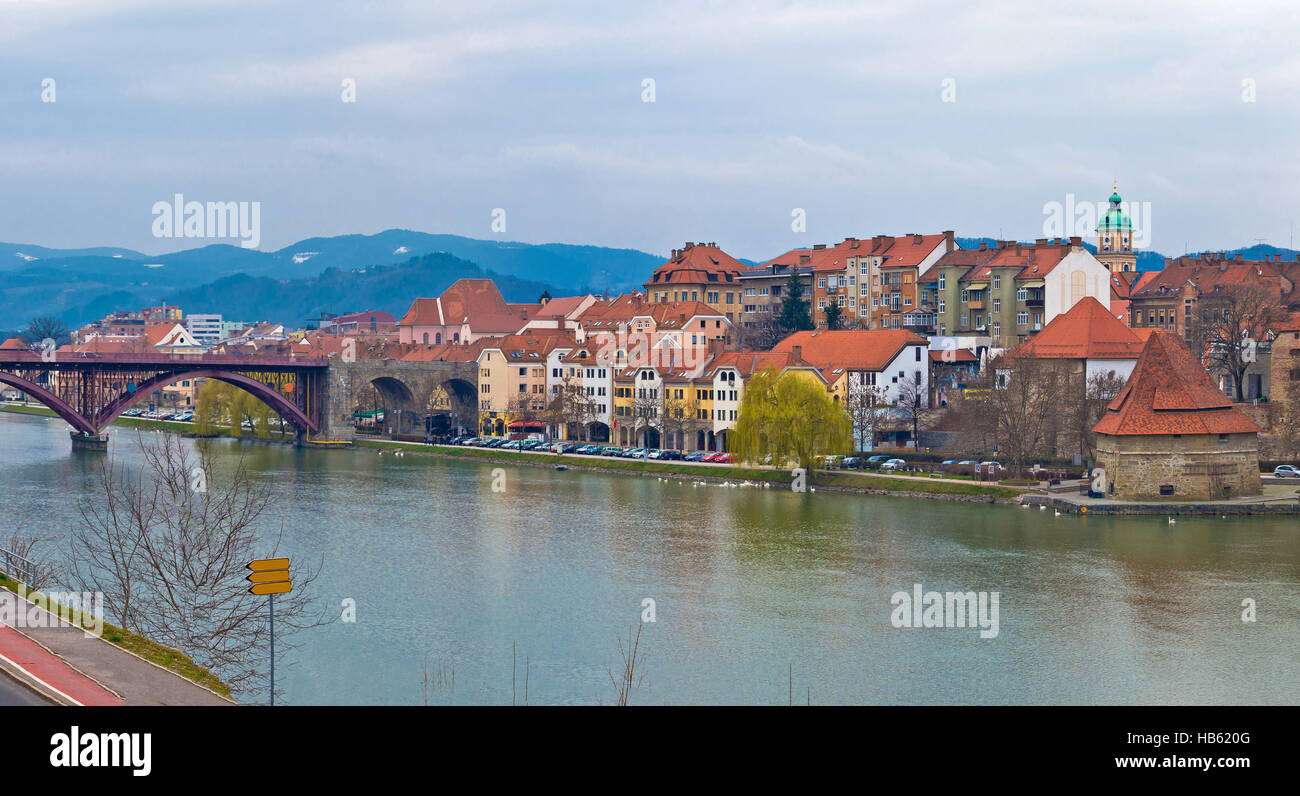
(263, 392)
(50, 400)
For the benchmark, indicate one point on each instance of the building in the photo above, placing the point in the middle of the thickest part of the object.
(1185, 291)
(370, 323)
(464, 312)
(125, 325)
(1170, 432)
(1010, 291)
(1087, 338)
(867, 367)
(632, 330)
(559, 313)
(721, 387)
(1115, 238)
(207, 329)
(512, 383)
(699, 272)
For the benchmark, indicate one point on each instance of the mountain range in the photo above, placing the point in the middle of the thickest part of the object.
(339, 274)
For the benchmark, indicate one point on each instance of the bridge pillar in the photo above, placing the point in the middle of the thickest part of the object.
(82, 441)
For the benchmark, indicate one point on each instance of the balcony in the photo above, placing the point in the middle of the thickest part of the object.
(976, 304)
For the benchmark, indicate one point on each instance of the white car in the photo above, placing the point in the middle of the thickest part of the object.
(893, 464)
(1286, 471)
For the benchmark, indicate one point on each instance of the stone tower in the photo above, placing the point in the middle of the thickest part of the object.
(1115, 238)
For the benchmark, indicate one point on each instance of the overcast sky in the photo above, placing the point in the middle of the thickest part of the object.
(537, 108)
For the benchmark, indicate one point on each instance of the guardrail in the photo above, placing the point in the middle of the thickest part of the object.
(17, 567)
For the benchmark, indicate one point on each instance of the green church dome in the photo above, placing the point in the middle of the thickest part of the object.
(1115, 218)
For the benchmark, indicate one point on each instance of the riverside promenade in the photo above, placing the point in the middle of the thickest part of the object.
(67, 666)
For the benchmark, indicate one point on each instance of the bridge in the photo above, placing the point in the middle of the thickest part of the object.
(317, 396)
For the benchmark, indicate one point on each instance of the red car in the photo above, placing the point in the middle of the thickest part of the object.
(718, 458)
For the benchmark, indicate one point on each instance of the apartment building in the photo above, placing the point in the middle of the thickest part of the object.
(699, 272)
(1010, 291)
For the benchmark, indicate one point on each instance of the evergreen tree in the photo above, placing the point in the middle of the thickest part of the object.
(833, 315)
(796, 315)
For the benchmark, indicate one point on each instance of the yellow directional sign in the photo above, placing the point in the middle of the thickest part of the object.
(269, 577)
(266, 564)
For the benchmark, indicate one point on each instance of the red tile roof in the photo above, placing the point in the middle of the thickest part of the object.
(13, 344)
(473, 301)
(607, 315)
(856, 349)
(751, 362)
(954, 355)
(1087, 331)
(1169, 392)
(697, 263)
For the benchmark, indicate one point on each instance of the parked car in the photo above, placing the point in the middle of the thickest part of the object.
(697, 456)
(496, 442)
(1286, 471)
(633, 453)
(611, 450)
(852, 462)
(989, 469)
(667, 455)
(893, 465)
(874, 462)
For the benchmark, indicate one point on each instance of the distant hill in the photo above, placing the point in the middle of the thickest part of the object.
(1148, 260)
(384, 287)
(77, 284)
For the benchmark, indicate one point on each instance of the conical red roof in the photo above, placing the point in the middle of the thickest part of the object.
(1087, 331)
(1169, 392)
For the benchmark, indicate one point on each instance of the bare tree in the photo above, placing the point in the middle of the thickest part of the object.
(35, 569)
(865, 405)
(631, 674)
(1233, 320)
(912, 406)
(1084, 404)
(168, 546)
(1023, 415)
(680, 411)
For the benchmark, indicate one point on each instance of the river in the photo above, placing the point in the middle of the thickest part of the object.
(758, 593)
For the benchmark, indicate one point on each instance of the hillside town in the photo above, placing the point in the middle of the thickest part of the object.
(928, 347)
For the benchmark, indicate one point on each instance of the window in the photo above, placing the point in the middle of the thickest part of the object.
(1022, 294)
(997, 305)
(997, 281)
(942, 305)
(943, 281)
(821, 281)
(965, 296)
(1022, 319)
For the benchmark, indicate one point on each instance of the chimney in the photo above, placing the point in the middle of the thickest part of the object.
(984, 245)
(804, 259)
(1238, 257)
(818, 246)
(853, 242)
(916, 240)
(796, 351)
(1076, 240)
(949, 240)
(1040, 241)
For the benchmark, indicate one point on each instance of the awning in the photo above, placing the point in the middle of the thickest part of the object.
(1033, 283)
(977, 285)
(531, 424)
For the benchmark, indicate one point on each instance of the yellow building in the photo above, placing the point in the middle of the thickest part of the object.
(512, 383)
(700, 272)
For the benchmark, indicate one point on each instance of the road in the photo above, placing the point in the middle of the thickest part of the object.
(15, 694)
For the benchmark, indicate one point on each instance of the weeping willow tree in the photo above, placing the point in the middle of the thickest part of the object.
(222, 405)
(790, 418)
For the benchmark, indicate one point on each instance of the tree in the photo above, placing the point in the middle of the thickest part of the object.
(790, 418)
(545, 297)
(680, 415)
(1234, 320)
(1023, 415)
(912, 406)
(864, 404)
(834, 315)
(1084, 404)
(167, 546)
(45, 328)
(796, 313)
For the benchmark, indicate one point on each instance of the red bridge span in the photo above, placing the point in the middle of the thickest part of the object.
(90, 391)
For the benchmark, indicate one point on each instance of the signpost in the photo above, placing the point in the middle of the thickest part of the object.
(270, 577)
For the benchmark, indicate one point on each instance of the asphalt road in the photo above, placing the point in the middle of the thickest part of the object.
(15, 694)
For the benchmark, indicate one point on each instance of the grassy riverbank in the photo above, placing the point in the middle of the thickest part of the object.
(838, 480)
(166, 657)
(835, 480)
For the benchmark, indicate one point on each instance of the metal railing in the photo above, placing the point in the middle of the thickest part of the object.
(17, 567)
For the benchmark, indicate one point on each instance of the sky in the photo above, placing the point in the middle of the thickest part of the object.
(863, 118)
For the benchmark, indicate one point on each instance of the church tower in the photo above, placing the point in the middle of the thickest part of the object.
(1115, 238)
